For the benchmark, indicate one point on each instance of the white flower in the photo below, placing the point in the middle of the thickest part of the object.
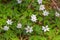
(40, 1)
(19, 25)
(6, 28)
(9, 22)
(57, 14)
(45, 28)
(42, 7)
(19, 1)
(45, 13)
(33, 18)
(28, 29)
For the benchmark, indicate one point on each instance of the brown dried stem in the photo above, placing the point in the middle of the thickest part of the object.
(54, 5)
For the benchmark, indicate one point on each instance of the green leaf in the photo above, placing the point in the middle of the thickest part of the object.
(37, 29)
(34, 38)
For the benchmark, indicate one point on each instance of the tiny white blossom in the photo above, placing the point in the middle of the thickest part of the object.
(19, 25)
(33, 18)
(40, 1)
(45, 13)
(57, 14)
(19, 1)
(28, 29)
(6, 28)
(42, 7)
(45, 28)
(9, 22)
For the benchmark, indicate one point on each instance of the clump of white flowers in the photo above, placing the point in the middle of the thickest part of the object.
(19, 25)
(40, 1)
(45, 13)
(45, 28)
(57, 14)
(9, 22)
(42, 7)
(33, 18)
(29, 29)
(19, 1)
(6, 28)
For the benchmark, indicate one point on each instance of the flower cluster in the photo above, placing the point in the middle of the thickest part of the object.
(45, 12)
(28, 28)
(42, 8)
(33, 19)
(19, 25)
